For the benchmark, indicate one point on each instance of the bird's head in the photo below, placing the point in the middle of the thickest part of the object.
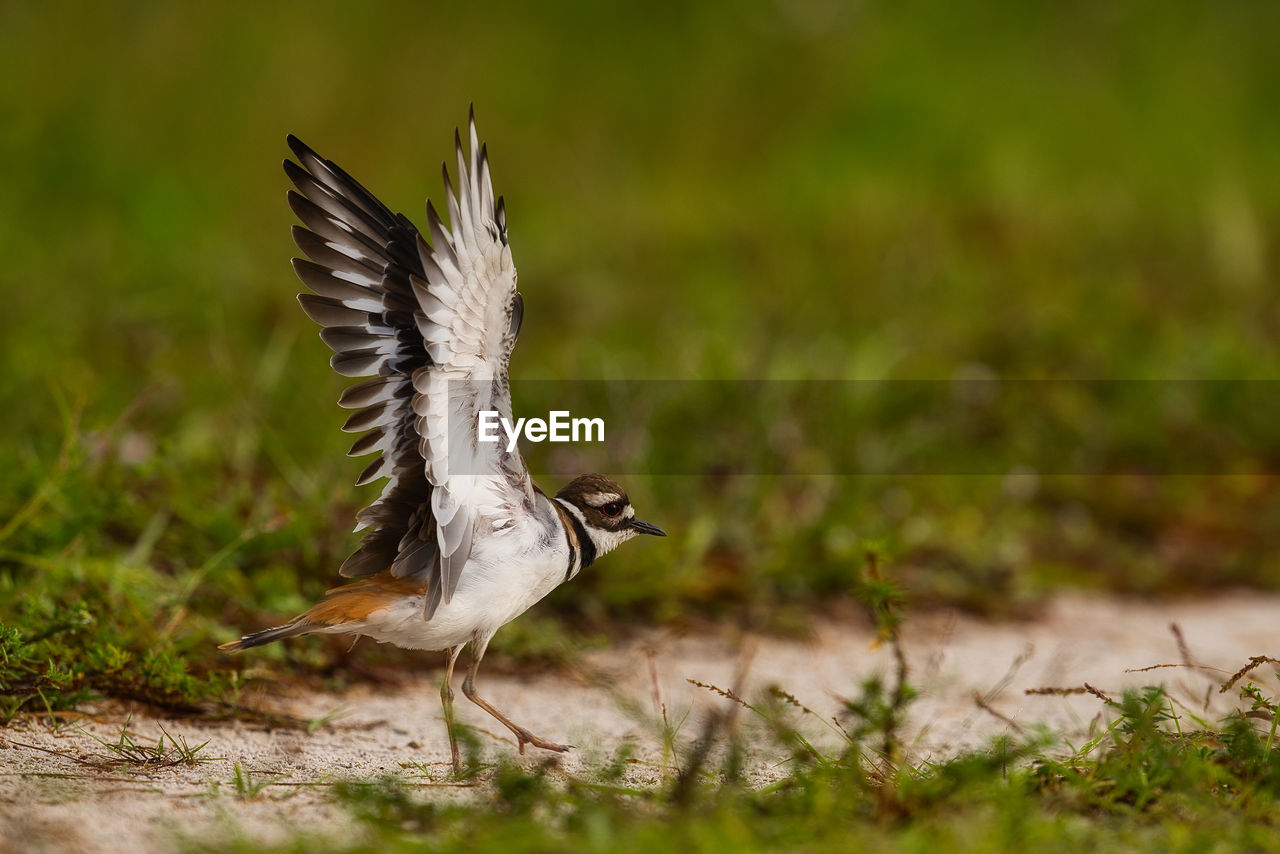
(605, 511)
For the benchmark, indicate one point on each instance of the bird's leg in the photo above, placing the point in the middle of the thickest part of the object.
(446, 698)
(523, 736)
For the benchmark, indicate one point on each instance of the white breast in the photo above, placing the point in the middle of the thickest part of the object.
(508, 572)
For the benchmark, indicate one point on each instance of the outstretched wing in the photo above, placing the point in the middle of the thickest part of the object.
(434, 326)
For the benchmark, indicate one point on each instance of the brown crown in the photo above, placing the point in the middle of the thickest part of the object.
(587, 484)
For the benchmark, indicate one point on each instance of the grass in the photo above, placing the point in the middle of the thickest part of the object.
(128, 751)
(245, 787)
(1159, 774)
(1161, 769)
(880, 192)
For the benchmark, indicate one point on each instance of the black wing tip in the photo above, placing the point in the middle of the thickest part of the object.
(301, 206)
(301, 236)
(304, 267)
(517, 315)
(299, 148)
(327, 311)
(297, 174)
(373, 471)
(364, 445)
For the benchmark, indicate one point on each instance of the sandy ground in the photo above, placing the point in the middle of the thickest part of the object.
(51, 800)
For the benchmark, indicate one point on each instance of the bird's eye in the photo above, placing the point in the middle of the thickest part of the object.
(612, 509)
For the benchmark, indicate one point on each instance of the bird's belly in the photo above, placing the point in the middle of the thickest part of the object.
(487, 598)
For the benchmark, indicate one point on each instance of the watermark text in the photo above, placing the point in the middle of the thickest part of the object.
(559, 426)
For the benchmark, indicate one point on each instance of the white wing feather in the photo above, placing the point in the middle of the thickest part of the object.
(466, 306)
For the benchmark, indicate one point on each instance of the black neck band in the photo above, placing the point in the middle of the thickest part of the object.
(585, 545)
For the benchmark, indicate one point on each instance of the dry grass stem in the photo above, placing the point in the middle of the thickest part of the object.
(1255, 661)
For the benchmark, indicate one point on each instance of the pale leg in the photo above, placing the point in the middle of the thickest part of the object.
(446, 698)
(523, 736)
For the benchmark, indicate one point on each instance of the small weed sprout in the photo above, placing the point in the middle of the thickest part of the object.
(169, 751)
(245, 787)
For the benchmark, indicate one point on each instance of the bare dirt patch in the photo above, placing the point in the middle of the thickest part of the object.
(60, 789)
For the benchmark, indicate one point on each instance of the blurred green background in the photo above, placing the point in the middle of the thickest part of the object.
(758, 190)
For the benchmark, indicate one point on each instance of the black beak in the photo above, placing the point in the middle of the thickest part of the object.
(646, 528)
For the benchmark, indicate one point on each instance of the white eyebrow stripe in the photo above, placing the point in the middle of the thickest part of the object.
(599, 499)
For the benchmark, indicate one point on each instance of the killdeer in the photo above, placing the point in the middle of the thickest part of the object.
(449, 557)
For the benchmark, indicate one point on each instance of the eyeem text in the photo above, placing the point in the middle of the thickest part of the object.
(559, 426)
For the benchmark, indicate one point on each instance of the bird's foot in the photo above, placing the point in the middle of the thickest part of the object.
(525, 737)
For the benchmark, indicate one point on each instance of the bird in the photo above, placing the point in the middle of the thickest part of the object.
(461, 540)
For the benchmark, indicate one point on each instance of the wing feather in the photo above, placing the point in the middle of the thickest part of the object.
(374, 391)
(434, 324)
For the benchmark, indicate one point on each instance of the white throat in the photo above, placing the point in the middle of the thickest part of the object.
(603, 540)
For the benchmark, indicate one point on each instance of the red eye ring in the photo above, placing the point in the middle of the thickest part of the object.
(613, 509)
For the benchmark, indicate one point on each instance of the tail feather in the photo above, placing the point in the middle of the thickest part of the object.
(342, 609)
(265, 636)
